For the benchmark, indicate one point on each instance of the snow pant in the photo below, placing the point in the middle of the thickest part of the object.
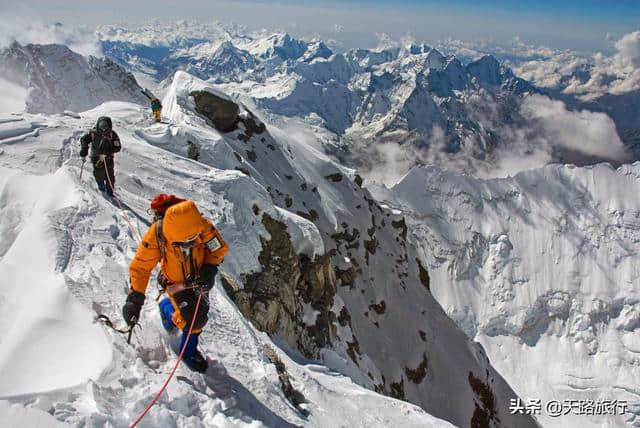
(179, 307)
(100, 171)
(166, 314)
(156, 114)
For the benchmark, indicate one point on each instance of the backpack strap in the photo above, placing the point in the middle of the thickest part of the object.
(160, 238)
(160, 242)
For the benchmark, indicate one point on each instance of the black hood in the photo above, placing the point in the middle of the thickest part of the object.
(104, 125)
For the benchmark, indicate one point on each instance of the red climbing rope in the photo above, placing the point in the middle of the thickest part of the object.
(166, 382)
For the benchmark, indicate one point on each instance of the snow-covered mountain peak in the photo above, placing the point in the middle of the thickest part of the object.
(286, 167)
(487, 70)
(317, 49)
(81, 246)
(281, 45)
(435, 59)
(414, 48)
(59, 79)
(264, 132)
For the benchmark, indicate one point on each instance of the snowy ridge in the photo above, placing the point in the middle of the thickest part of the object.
(244, 178)
(475, 248)
(305, 182)
(84, 246)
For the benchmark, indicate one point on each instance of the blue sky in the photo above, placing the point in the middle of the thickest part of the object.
(576, 24)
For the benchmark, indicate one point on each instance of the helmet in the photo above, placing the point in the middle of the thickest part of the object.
(161, 202)
(104, 125)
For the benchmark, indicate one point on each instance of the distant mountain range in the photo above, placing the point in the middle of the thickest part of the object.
(410, 94)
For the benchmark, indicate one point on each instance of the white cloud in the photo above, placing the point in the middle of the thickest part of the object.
(545, 132)
(614, 74)
(24, 27)
(590, 133)
(629, 50)
(13, 97)
(393, 163)
(586, 75)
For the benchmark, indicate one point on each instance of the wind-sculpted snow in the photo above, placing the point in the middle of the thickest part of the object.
(544, 263)
(49, 341)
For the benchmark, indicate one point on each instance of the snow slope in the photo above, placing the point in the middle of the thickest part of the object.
(542, 270)
(40, 316)
(67, 261)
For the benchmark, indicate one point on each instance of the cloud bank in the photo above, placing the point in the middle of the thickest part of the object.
(14, 97)
(545, 132)
(588, 76)
(583, 74)
(24, 26)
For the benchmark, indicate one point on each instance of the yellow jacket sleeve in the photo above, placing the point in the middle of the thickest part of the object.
(147, 256)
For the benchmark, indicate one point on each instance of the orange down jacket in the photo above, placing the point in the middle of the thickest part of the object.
(181, 222)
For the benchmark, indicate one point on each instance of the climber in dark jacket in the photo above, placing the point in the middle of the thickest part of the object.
(104, 143)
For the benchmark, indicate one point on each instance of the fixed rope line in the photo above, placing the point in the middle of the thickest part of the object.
(135, 235)
(166, 382)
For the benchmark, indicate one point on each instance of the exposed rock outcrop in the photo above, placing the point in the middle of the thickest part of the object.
(291, 296)
(225, 114)
(222, 112)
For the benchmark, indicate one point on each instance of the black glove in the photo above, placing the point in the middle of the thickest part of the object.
(207, 276)
(131, 308)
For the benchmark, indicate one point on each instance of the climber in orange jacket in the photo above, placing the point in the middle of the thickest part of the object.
(190, 248)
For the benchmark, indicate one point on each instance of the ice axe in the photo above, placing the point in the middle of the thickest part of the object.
(105, 319)
(82, 167)
(135, 323)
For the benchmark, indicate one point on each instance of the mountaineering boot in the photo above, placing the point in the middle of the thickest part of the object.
(166, 312)
(192, 357)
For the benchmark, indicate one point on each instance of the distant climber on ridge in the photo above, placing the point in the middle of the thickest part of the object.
(104, 142)
(156, 105)
(190, 248)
